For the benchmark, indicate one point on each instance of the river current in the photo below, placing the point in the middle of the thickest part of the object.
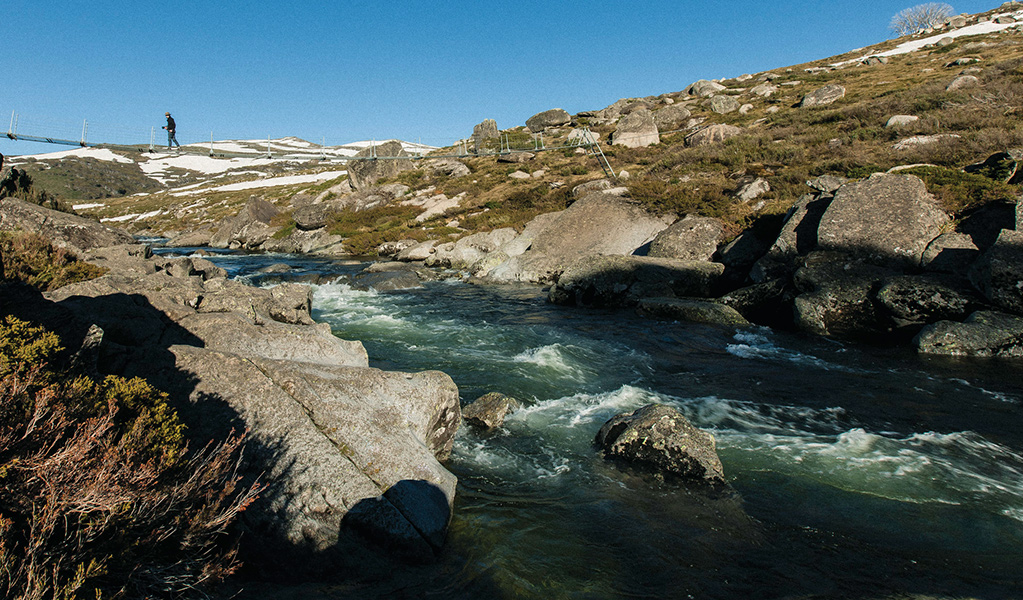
(854, 471)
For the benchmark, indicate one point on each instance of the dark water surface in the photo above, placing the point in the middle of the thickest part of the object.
(856, 472)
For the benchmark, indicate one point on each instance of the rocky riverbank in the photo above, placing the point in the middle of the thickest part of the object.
(347, 452)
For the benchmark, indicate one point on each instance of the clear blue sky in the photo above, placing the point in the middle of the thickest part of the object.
(348, 70)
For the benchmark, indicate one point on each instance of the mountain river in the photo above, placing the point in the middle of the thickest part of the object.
(855, 472)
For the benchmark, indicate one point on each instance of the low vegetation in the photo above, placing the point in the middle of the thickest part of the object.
(31, 259)
(100, 494)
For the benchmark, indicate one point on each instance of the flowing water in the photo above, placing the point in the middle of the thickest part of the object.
(855, 472)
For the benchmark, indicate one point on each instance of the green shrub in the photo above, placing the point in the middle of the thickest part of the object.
(31, 259)
(99, 496)
(958, 191)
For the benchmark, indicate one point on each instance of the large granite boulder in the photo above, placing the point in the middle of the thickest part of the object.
(617, 281)
(487, 130)
(983, 334)
(364, 169)
(998, 274)
(598, 223)
(554, 117)
(922, 299)
(64, 230)
(660, 438)
(798, 237)
(463, 253)
(636, 130)
(837, 297)
(691, 238)
(328, 435)
(723, 105)
(890, 219)
(671, 118)
(249, 228)
(310, 217)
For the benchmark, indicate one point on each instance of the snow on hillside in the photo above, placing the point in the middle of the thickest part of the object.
(249, 158)
(914, 45)
(262, 183)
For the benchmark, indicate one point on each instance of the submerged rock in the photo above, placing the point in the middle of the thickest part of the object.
(489, 411)
(661, 438)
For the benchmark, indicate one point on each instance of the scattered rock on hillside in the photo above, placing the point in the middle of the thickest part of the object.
(1001, 166)
(671, 117)
(549, 118)
(901, 120)
(515, 157)
(364, 173)
(712, 134)
(752, 188)
(636, 130)
(823, 96)
(764, 90)
(447, 166)
(660, 437)
(828, 184)
(704, 88)
(723, 104)
(962, 82)
(923, 140)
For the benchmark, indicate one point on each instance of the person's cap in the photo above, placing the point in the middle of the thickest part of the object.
(167, 114)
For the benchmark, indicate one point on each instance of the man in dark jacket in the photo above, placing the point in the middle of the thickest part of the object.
(170, 127)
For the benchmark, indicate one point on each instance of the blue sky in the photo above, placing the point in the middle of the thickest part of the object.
(343, 70)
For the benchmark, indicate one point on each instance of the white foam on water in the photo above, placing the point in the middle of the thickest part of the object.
(1001, 397)
(556, 358)
(950, 468)
(756, 345)
(584, 410)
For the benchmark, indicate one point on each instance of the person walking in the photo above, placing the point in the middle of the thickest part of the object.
(170, 127)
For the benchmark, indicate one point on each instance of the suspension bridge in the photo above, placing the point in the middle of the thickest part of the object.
(464, 148)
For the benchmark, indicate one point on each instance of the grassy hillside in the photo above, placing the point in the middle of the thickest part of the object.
(781, 142)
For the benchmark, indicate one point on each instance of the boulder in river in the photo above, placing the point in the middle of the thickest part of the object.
(489, 411)
(661, 438)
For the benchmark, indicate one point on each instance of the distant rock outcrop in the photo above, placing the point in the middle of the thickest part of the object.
(62, 229)
(554, 117)
(365, 170)
(598, 223)
(636, 130)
